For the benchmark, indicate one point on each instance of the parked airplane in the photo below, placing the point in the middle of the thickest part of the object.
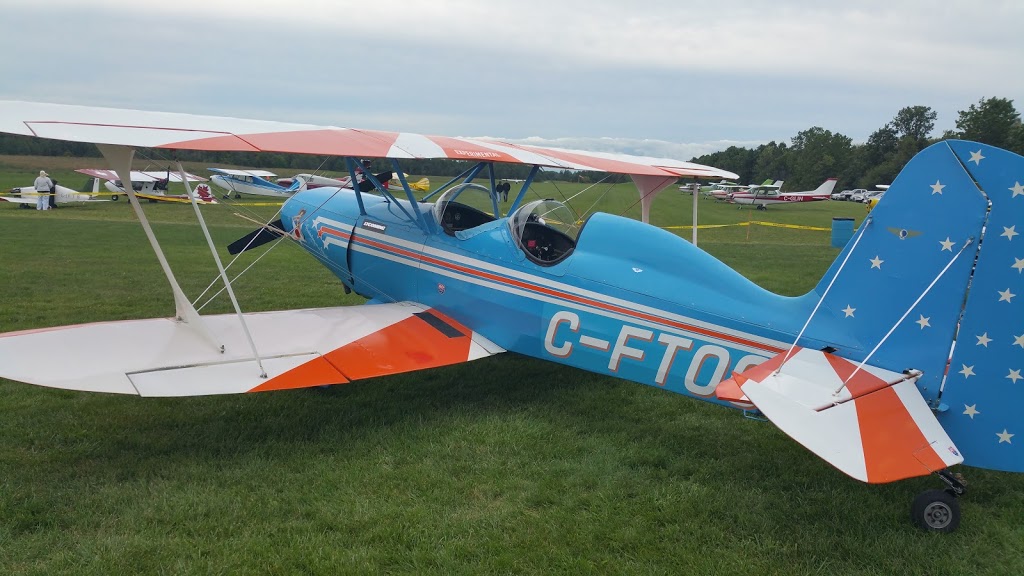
(858, 380)
(762, 196)
(151, 185)
(724, 191)
(255, 182)
(27, 196)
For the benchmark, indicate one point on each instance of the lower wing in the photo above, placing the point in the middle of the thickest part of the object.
(297, 348)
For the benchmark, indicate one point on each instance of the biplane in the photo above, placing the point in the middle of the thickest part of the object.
(860, 381)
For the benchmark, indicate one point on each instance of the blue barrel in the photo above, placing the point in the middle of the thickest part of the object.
(842, 231)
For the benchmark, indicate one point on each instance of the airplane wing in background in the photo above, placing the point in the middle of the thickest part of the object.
(140, 175)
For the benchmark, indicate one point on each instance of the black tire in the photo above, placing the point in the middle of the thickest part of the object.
(227, 196)
(114, 197)
(238, 196)
(936, 511)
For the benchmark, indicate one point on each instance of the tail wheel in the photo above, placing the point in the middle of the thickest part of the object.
(936, 511)
(114, 197)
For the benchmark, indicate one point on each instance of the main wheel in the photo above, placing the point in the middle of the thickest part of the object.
(936, 511)
(238, 196)
(114, 197)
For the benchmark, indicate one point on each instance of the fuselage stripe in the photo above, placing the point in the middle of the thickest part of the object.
(571, 297)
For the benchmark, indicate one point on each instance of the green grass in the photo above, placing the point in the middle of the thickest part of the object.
(504, 465)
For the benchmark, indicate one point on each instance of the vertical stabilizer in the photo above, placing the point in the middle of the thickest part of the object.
(899, 297)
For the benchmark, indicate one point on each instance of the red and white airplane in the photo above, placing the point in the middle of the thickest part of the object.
(762, 196)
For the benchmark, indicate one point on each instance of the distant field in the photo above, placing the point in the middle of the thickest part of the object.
(504, 465)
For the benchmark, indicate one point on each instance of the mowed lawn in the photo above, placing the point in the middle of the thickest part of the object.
(505, 465)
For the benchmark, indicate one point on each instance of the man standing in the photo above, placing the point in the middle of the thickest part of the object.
(43, 186)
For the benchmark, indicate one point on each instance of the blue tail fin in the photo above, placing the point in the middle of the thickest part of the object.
(929, 263)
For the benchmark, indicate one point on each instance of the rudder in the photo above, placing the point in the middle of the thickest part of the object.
(984, 389)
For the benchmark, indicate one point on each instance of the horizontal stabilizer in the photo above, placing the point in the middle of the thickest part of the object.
(872, 424)
(297, 348)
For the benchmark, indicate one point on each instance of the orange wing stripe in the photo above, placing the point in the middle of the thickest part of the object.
(316, 372)
(412, 344)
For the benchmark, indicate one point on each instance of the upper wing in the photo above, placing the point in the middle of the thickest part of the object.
(192, 132)
(299, 349)
(236, 172)
(140, 175)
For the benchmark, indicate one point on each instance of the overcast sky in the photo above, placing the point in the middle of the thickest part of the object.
(658, 77)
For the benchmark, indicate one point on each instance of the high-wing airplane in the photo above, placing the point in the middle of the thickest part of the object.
(858, 380)
(240, 181)
(762, 196)
(151, 185)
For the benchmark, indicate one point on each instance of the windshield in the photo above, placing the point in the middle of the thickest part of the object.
(463, 207)
(546, 231)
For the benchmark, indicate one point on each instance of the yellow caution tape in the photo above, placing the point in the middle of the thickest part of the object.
(752, 222)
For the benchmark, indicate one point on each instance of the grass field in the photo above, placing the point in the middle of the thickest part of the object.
(504, 465)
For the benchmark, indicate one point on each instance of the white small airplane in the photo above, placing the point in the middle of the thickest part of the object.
(150, 185)
(762, 196)
(27, 196)
(255, 182)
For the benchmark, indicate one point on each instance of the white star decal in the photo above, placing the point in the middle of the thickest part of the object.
(1018, 341)
(1005, 436)
(1018, 189)
(947, 244)
(983, 340)
(937, 187)
(976, 157)
(1005, 295)
(1014, 375)
(967, 371)
(876, 262)
(922, 321)
(1010, 232)
(848, 311)
(971, 410)
(1018, 263)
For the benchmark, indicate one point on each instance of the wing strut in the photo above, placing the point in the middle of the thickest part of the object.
(220, 269)
(120, 159)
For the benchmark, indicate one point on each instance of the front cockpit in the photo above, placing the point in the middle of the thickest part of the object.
(545, 230)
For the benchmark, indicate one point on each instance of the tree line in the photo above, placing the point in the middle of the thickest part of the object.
(812, 155)
(816, 153)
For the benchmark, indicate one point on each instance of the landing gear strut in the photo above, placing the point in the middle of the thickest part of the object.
(939, 510)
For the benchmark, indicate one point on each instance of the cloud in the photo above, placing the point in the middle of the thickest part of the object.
(649, 74)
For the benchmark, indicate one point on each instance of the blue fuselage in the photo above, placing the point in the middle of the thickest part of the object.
(631, 300)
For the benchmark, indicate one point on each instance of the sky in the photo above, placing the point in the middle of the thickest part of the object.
(666, 78)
